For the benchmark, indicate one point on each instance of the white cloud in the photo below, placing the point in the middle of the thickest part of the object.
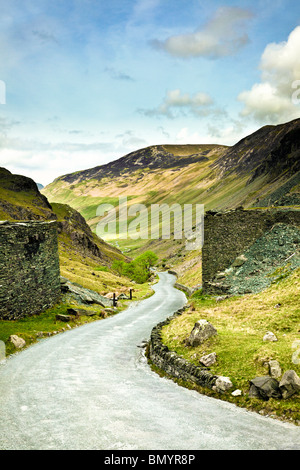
(177, 103)
(222, 36)
(272, 98)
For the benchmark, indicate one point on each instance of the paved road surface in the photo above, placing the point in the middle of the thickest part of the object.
(91, 388)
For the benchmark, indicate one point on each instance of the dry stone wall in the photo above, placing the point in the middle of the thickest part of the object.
(171, 363)
(30, 276)
(229, 234)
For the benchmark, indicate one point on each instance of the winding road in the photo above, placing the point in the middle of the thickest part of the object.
(91, 388)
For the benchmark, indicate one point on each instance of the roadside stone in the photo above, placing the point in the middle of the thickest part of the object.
(110, 310)
(264, 387)
(77, 312)
(201, 332)
(83, 295)
(237, 393)
(222, 384)
(208, 359)
(17, 341)
(289, 384)
(274, 369)
(269, 336)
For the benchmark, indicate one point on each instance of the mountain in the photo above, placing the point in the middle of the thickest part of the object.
(220, 177)
(154, 157)
(260, 170)
(271, 148)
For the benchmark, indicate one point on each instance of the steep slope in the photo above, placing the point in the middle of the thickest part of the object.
(154, 157)
(269, 159)
(219, 177)
(271, 149)
(84, 258)
(21, 199)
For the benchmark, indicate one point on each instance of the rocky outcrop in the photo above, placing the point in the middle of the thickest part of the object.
(82, 295)
(271, 151)
(264, 387)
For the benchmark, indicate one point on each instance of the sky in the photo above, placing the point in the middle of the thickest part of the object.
(84, 82)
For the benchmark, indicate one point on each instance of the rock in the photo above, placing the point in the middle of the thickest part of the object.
(269, 336)
(77, 312)
(220, 276)
(123, 296)
(289, 384)
(221, 297)
(83, 295)
(222, 384)
(209, 359)
(201, 332)
(239, 261)
(103, 314)
(237, 393)
(264, 387)
(61, 317)
(17, 341)
(110, 310)
(274, 369)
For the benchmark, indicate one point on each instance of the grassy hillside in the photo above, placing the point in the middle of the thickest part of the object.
(242, 355)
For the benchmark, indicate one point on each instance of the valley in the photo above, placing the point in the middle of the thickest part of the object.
(259, 175)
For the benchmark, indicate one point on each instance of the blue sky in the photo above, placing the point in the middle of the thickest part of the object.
(84, 82)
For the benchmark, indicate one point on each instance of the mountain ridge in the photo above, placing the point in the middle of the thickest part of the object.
(155, 156)
(266, 149)
(220, 177)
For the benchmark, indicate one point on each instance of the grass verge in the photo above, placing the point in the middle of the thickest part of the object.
(242, 354)
(35, 327)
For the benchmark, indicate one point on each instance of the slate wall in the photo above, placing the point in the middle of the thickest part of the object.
(30, 275)
(229, 234)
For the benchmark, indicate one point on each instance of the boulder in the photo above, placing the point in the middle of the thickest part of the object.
(269, 336)
(289, 384)
(83, 295)
(209, 359)
(17, 341)
(222, 384)
(202, 330)
(274, 369)
(237, 393)
(264, 387)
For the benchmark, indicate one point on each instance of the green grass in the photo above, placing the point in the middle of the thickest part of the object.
(33, 328)
(242, 354)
